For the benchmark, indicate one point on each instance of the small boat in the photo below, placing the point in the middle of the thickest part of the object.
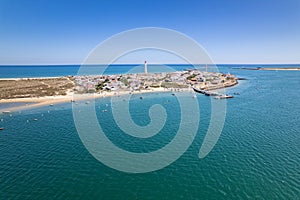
(35, 119)
(6, 112)
(87, 102)
(1, 128)
(51, 105)
(173, 94)
(228, 96)
(104, 110)
(236, 93)
(224, 97)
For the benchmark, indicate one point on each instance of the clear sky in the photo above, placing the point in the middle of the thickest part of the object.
(232, 31)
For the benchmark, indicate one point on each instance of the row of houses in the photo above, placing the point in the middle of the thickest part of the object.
(147, 80)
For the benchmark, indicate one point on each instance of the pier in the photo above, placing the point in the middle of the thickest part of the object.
(215, 94)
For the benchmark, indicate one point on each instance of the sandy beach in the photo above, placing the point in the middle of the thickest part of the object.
(71, 97)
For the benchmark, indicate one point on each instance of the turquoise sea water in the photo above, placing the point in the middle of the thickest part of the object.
(256, 157)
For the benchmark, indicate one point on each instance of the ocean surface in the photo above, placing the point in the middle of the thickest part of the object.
(27, 71)
(256, 157)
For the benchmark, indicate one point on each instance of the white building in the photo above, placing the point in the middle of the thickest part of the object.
(145, 67)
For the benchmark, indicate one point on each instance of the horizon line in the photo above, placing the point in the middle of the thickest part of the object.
(71, 64)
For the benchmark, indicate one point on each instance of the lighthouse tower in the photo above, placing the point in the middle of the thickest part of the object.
(145, 67)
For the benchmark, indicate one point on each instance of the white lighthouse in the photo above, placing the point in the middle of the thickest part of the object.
(145, 67)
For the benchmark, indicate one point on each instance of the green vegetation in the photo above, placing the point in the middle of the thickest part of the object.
(124, 80)
(101, 85)
(173, 85)
(191, 76)
(23, 88)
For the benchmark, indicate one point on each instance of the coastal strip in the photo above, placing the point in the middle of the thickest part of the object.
(281, 69)
(270, 68)
(72, 97)
(48, 91)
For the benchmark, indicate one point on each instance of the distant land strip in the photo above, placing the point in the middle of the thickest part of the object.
(270, 68)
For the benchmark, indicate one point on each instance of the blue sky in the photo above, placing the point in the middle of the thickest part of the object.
(231, 31)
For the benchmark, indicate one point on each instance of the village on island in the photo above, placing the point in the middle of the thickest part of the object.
(199, 81)
(48, 91)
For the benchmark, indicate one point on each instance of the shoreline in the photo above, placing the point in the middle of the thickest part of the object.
(271, 69)
(281, 69)
(36, 102)
(30, 78)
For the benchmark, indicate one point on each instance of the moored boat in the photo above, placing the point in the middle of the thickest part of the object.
(224, 97)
